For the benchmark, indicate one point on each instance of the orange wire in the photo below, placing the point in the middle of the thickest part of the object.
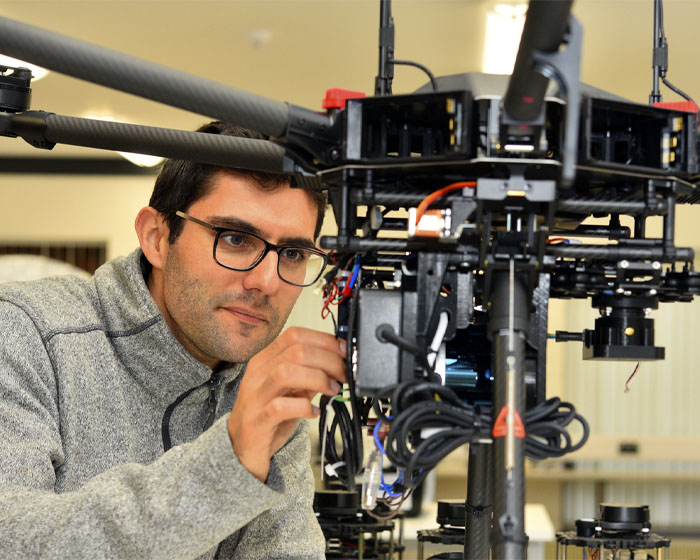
(432, 197)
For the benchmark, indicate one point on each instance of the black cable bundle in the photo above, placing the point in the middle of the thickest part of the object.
(545, 429)
(342, 423)
(349, 426)
(418, 406)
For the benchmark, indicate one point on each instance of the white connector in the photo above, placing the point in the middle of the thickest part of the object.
(371, 480)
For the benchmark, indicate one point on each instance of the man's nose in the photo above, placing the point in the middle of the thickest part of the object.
(264, 276)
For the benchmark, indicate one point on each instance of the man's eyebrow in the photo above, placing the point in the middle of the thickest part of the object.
(237, 223)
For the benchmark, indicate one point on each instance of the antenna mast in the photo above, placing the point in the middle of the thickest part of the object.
(659, 58)
(382, 84)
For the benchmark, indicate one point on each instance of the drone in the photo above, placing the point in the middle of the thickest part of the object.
(456, 206)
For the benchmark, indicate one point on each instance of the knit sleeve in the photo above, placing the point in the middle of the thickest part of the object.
(178, 507)
(290, 529)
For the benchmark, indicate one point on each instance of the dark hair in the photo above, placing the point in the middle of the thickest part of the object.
(182, 183)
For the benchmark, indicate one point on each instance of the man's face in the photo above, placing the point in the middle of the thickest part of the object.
(225, 315)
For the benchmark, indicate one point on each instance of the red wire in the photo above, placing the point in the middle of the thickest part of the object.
(432, 197)
(627, 383)
(329, 293)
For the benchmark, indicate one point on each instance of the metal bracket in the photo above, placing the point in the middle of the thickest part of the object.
(564, 67)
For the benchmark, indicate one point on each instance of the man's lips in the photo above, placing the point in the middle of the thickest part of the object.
(247, 315)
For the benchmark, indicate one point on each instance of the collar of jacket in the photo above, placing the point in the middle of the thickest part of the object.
(140, 335)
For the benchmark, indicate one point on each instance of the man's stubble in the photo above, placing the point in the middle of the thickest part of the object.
(198, 317)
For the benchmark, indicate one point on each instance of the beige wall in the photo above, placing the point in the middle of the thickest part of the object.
(73, 208)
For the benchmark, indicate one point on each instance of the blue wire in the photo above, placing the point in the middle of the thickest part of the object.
(389, 489)
(384, 486)
(376, 438)
(355, 270)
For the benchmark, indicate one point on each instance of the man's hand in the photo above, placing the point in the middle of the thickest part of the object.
(277, 390)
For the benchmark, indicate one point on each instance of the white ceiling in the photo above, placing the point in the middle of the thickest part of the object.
(317, 44)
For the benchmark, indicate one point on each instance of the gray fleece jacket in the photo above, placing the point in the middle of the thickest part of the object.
(88, 369)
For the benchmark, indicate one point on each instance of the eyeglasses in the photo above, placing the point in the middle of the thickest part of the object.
(241, 250)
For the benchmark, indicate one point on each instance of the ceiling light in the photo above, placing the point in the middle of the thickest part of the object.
(142, 160)
(37, 71)
(504, 26)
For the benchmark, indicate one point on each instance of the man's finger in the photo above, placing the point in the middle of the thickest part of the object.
(286, 408)
(308, 337)
(310, 356)
(286, 379)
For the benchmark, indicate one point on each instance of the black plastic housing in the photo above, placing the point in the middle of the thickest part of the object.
(628, 137)
(417, 127)
(15, 93)
(623, 333)
(451, 513)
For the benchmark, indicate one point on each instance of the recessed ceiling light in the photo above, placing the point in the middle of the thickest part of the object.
(259, 37)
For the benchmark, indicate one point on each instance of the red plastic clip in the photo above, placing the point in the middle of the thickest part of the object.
(336, 97)
(687, 106)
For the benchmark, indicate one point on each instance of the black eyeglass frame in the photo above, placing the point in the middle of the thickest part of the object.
(268, 247)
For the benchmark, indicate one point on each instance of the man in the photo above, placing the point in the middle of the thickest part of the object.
(127, 429)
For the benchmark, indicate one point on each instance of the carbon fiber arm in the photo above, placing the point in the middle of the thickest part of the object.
(153, 81)
(46, 129)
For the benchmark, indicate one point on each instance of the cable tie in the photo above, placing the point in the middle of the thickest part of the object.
(329, 406)
(331, 469)
(477, 511)
(477, 424)
(324, 432)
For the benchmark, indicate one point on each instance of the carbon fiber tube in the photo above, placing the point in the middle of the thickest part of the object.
(616, 253)
(153, 81)
(355, 244)
(229, 151)
(611, 206)
(598, 231)
(507, 325)
(390, 199)
(477, 531)
(545, 25)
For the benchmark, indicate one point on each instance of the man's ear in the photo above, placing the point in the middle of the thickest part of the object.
(153, 232)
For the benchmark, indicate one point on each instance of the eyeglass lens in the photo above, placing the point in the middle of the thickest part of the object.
(295, 264)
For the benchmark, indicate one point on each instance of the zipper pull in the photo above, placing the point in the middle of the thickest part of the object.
(214, 383)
